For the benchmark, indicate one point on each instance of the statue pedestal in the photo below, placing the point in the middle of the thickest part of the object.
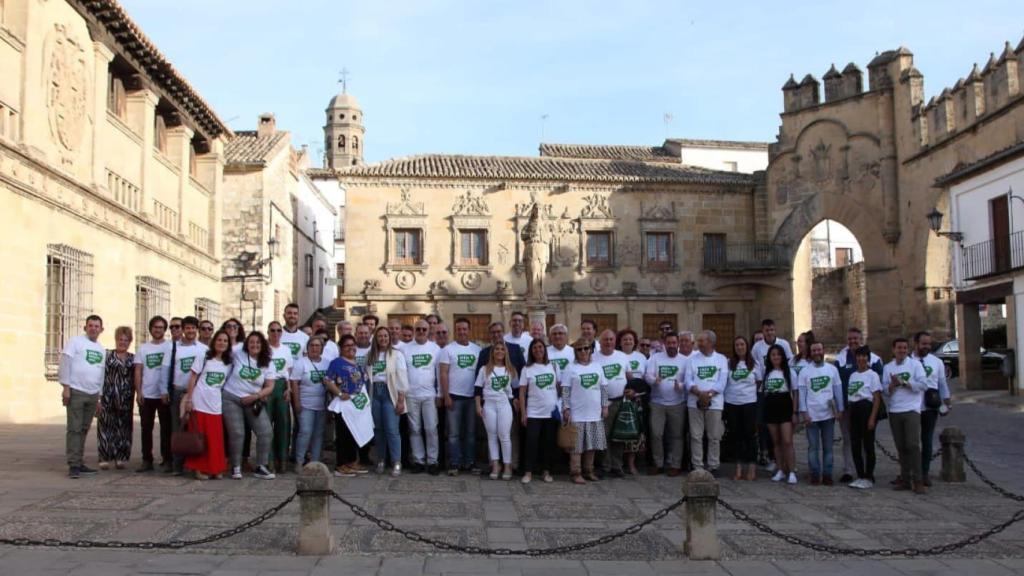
(536, 312)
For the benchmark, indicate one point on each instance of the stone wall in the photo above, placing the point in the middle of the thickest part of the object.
(838, 302)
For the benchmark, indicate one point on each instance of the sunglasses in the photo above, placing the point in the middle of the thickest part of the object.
(441, 332)
(206, 328)
(422, 329)
(582, 349)
(175, 326)
(273, 330)
(645, 345)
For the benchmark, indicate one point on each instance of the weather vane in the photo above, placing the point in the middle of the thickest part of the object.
(343, 80)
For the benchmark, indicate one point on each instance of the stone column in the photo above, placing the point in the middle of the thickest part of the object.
(101, 62)
(179, 143)
(141, 116)
(701, 490)
(315, 537)
(952, 440)
(969, 330)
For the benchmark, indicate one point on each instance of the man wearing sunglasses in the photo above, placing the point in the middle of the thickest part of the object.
(206, 329)
(421, 400)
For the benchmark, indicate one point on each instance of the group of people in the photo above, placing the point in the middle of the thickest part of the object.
(611, 399)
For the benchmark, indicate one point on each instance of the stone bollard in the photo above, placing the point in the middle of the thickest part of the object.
(701, 490)
(315, 537)
(952, 439)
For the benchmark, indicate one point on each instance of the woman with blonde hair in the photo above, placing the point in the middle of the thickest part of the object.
(585, 398)
(114, 419)
(494, 389)
(389, 374)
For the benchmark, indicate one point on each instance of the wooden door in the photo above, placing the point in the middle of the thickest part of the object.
(651, 322)
(844, 257)
(999, 210)
(603, 321)
(405, 319)
(549, 321)
(724, 326)
(478, 324)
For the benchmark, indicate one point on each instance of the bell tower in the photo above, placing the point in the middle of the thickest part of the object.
(343, 130)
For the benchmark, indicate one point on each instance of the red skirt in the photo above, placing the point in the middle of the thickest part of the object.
(213, 461)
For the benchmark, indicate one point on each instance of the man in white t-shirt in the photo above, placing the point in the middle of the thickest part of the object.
(615, 365)
(559, 352)
(517, 331)
(187, 350)
(80, 375)
(152, 390)
(760, 348)
(457, 374)
(293, 336)
(935, 374)
(421, 356)
(708, 374)
(903, 385)
(362, 343)
(666, 375)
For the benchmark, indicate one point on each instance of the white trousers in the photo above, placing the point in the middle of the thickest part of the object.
(422, 416)
(498, 422)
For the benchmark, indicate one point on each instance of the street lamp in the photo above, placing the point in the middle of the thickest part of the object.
(935, 223)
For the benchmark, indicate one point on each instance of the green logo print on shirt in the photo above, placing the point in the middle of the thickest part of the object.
(612, 370)
(904, 376)
(928, 371)
(360, 401)
(774, 384)
(544, 380)
(706, 372)
(154, 360)
(498, 383)
(316, 377)
(295, 347)
(186, 363)
(667, 371)
(854, 388)
(93, 357)
(588, 381)
(465, 361)
(562, 363)
(215, 379)
(279, 364)
(819, 383)
(421, 360)
(249, 373)
(378, 367)
(633, 365)
(740, 374)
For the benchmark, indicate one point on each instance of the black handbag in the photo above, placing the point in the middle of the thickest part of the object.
(186, 442)
(932, 400)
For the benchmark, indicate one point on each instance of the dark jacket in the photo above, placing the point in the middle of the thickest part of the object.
(515, 356)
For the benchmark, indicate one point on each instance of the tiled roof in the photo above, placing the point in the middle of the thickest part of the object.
(544, 168)
(599, 152)
(320, 173)
(122, 28)
(247, 148)
(729, 144)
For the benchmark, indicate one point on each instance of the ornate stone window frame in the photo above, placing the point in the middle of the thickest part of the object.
(469, 212)
(659, 219)
(402, 215)
(596, 216)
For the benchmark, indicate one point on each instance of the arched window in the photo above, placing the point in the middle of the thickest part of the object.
(355, 143)
(341, 141)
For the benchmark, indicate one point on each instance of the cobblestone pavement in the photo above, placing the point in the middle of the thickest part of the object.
(38, 501)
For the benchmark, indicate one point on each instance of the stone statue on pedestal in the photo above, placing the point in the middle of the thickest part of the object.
(536, 252)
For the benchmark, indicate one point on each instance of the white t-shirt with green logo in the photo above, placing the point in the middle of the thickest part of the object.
(561, 359)
(671, 370)
(542, 391)
(184, 358)
(281, 362)
(910, 396)
(637, 364)
(460, 361)
(213, 374)
(361, 355)
(741, 387)
(707, 373)
(863, 386)
(156, 361)
(821, 391)
(616, 370)
(86, 367)
(296, 342)
(775, 382)
(585, 384)
(247, 377)
(310, 376)
(496, 386)
(422, 361)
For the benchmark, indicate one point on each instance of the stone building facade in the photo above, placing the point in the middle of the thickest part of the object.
(110, 179)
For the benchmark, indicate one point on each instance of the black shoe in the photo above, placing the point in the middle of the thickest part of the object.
(433, 469)
(616, 474)
(85, 470)
(74, 472)
(453, 471)
(416, 468)
(715, 473)
(846, 479)
(167, 467)
(146, 467)
(474, 470)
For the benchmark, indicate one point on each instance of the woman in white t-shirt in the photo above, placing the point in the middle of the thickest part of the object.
(741, 408)
(863, 400)
(585, 398)
(636, 391)
(236, 333)
(538, 406)
(493, 405)
(203, 400)
(309, 401)
(250, 384)
(781, 404)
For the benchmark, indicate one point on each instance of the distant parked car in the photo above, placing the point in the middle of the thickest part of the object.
(949, 354)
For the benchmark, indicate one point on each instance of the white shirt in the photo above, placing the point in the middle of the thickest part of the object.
(863, 386)
(741, 386)
(330, 351)
(910, 396)
(86, 364)
(797, 366)
(561, 358)
(184, 358)
(422, 361)
(542, 391)
(361, 355)
(616, 371)
(845, 358)
(707, 373)
(246, 377)
(310, 376)
(206, 395)
(523, 341)
(296, 342)
(379, 370)
(155, 360)
(496, 386)
(460, 361)
(637, 364)
(821, 391)
(935, 375)
(671, 370)
(281, 362)
(585, 383)
(775, 382)
(760, 350)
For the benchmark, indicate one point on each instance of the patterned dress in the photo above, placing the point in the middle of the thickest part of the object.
(114, 424)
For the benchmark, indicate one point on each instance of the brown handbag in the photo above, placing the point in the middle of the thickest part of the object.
(188, 443)
(567, 436)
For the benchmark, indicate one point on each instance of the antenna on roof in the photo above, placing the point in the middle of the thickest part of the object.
(667, 119)
(343, 80)
(543, 121)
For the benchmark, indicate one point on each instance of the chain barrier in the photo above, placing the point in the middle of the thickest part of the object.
(483, 550)
(168, 545)
(1002, 491)
(895, 458)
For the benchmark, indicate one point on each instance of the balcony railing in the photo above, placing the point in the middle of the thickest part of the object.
(738, 258)
(999, 255)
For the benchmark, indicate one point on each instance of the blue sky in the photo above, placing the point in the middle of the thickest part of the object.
(476, 77)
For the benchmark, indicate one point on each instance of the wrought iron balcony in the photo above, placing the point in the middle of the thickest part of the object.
(744, 258)
(1001, 254)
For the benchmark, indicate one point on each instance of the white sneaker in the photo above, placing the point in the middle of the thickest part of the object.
(263, 474)
(792, 478)
(779, 476)
(771, 467)
(236, 473)
(866, 484)
(858, 483)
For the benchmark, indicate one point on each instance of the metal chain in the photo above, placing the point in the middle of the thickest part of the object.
(864, 552)
(896, 458)
(483, 550)
(168, 545)
(1002, 491)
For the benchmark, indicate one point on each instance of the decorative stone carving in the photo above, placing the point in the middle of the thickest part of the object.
(822, 161)
(866, 178)
(599, 282)
(536, 251)
(566, 256)
(629, 289)
(659, 282)
(502, 254)
(596, 206)
(472, 280)
(503, 288)
(629, 251)
(690, 290)
(405, 280)
(406, 207)
(438, 288)
(371, 286)
(568, 289)
(658, 212)
(67, 87)
(470, 204)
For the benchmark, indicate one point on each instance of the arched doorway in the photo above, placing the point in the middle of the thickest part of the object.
(829, 284)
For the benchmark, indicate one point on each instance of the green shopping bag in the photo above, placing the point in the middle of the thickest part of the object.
(627, 426)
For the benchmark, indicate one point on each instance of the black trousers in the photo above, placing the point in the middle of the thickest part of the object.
(929, 418)
(541, 443)
(862, 440)
(153, 409)
(344, 444)
(742, 422)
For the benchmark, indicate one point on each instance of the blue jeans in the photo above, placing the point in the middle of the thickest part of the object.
(385, 426)
(820, 436)
(311, 435)
(462, 432)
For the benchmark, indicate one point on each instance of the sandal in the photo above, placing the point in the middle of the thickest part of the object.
(577, 479)
(591, 477)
